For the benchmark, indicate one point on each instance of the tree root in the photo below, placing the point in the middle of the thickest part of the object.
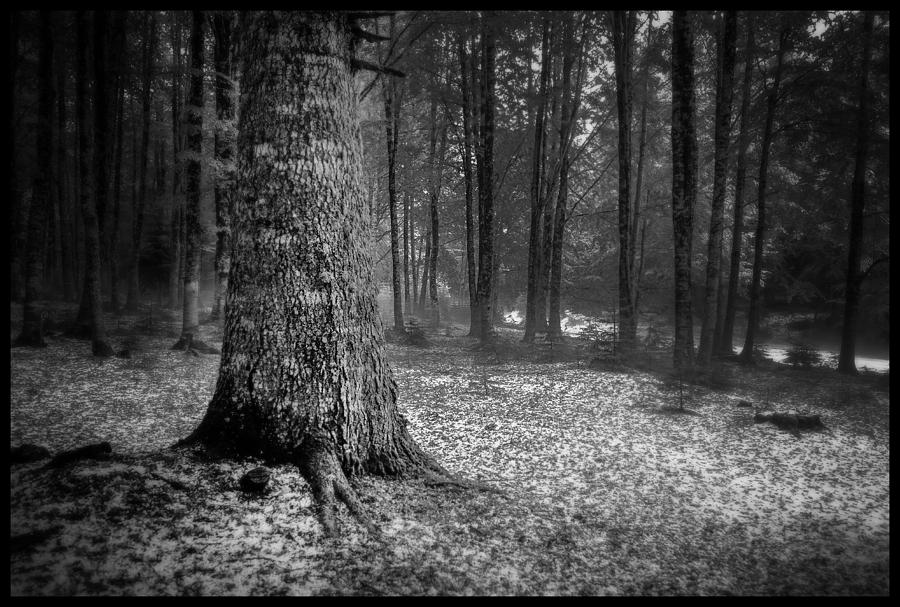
(322, 470)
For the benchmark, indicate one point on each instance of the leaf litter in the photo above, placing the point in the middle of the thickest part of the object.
(598, 494)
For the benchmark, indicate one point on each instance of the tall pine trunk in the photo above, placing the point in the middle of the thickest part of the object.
(537, 164)
(391, 125)
(32, 329)
(622, 43)
(468, 119)
(759, 239)
(684, 185)
(119, 48)
(847, 357)
(486, 192)
(137, 225)
(724, 80)
(175, 223)
(193, 127)
(737, 230)
(223, 146)
(303, 376)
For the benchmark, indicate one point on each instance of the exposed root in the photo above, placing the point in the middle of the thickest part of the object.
(321, 469)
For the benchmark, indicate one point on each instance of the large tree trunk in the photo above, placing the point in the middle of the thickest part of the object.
(193, 127)
(468, 119)
(537, 168)
(224, 144)
(137, 225)
(486, 192)
(303, 376)
(759, 241)
(724, 80)
(32, 330)
(622, 43)
(684, 185)
(737, 230)
(847, 358)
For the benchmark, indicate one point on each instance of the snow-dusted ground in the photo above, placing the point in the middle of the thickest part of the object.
(603, 493)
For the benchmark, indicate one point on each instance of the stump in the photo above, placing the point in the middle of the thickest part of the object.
(255, 480)
(791, 422)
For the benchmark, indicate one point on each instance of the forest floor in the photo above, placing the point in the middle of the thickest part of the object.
(604, 489)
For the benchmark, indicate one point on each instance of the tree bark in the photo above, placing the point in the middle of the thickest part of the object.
(193, 128)
(639, 176)
(175, 227)
(16, 209)
(303, 377)
(223, 145)
(622, 43)
(32, 329)
(535, 229)
(67, 241)
(847, 357)
(391, 125)
(759, 241)
(149, 50)
(737, 230)
(724, 84)
(468, 119)
(486, 194)
(684, 187)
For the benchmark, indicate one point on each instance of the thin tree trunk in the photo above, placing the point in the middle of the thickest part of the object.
(622, 39)
(149, 46)
(224, 148)
(101, 137)
(175, 227)
(724, 85)
(16, 206)
(537, 201)
(32, 329)
(684, 159)
(407, 253)
(435, 232)
(639, 173)
(391, 124)
(759, 241)
(66, 220)
(467, 117)
(847, 357)
(193, 128)
(426, 267)
(119, 51)
(486, 194)
(737, 230)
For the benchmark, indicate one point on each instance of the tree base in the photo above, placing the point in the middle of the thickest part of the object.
(187, 343)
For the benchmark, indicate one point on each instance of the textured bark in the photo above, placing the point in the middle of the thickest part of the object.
(193, 128)
(737, 230)
(684, 187)
(137, 225)
(224, 149)
(486, 193)
(724, 84)
(406, 252)
(303, 376)
(468, 120)
(537, 163)
(32, 331)
(847, 357)
(90, 195)
(759, 239)
(622, 44)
